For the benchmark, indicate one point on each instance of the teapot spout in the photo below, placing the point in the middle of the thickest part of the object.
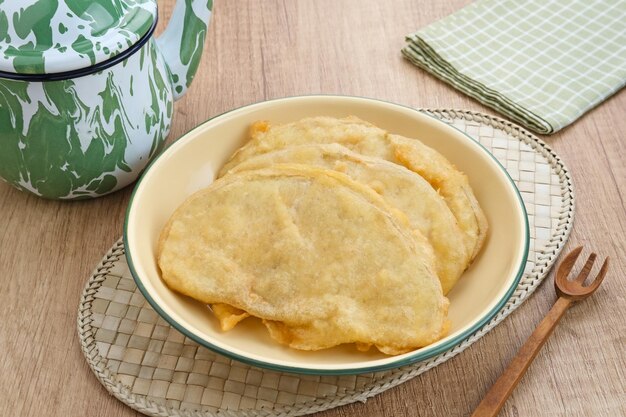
(182, 41)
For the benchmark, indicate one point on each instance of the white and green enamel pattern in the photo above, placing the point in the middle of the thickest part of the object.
(38, 37)
(93, 134)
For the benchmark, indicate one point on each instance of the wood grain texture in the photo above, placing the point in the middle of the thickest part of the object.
(259, 50)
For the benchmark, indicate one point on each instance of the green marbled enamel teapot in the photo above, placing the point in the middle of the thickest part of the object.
(86, 90)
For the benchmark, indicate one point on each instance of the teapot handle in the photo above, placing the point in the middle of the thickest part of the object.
(182, 41)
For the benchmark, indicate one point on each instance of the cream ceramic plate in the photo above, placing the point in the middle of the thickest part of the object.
(192, 162)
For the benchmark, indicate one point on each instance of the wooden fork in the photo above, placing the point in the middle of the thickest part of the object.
(568, 292)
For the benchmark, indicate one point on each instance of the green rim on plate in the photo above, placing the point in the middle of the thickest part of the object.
(419, 355)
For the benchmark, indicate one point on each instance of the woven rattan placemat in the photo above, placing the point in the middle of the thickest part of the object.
(156, 370)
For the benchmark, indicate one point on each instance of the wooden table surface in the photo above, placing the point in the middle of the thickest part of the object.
(258, 50)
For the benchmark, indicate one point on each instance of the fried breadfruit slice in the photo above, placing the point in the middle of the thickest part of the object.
(451, 183)
(311, 249)
(400, 187)
(367, 139)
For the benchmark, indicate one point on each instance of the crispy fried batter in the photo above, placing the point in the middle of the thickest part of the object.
(322, 259)
(400, 187)
(367, 139)
(228, 315)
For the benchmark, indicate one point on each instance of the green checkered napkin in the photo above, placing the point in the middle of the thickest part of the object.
(543, 63)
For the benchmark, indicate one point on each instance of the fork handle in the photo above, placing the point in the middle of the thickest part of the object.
(500, 391)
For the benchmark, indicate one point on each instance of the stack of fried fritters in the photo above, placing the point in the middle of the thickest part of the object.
(331, 231)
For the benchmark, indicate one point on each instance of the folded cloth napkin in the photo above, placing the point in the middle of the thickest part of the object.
(543, 63)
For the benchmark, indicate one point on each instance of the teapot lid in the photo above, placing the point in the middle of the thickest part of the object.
(60, 36)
